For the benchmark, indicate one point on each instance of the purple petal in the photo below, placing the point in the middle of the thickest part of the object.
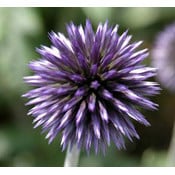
(92, 102)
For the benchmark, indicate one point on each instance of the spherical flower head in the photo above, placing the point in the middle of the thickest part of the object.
(89, 87)
(163, 57)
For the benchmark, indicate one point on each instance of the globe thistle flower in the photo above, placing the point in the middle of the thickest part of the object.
(163, 57)
(89, 87)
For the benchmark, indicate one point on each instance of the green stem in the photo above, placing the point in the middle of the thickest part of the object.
(171, 153)
(72, 156)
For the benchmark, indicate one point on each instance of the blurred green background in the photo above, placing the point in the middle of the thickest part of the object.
(24, 29)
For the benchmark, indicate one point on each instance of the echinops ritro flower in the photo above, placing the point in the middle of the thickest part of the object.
(89, 87)
(163, 57)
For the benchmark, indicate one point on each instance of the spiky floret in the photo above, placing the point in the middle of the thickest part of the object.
(163, 57)
(89, 86)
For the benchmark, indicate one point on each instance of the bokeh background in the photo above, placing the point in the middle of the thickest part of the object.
(24, 29)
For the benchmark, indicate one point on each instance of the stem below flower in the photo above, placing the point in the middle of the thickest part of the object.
(72, 156)
(171, 153)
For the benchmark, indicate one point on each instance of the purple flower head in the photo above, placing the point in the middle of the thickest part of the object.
(89, 87)
(163, 55)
